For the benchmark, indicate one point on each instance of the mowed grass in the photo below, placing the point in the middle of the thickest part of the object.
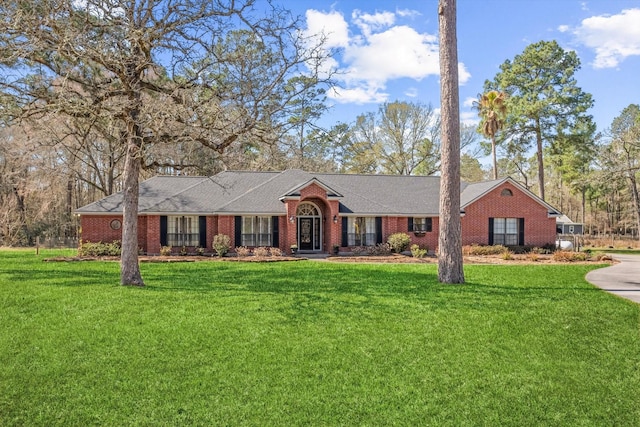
(310, 343)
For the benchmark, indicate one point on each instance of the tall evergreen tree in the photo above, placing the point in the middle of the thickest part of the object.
(544, 98)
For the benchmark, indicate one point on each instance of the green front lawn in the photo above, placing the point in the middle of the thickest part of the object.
(310, 343)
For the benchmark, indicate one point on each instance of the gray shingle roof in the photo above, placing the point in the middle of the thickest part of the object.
(243, 192)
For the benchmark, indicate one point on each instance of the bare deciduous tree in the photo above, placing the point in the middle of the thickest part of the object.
(162, 71)
(402, 137)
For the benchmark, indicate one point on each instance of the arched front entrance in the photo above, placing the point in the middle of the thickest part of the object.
(309, 226)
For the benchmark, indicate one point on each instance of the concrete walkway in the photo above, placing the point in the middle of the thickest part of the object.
(621, 279)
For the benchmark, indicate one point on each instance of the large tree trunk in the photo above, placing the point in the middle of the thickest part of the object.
(450, 263)
(129, 268)
(494, 157)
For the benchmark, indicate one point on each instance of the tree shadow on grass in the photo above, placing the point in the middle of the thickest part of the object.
(306, 285)
(62, 274)
(313, 281)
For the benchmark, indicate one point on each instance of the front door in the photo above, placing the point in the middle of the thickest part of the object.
(306, 236)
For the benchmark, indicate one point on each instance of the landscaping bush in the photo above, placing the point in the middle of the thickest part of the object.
(399, 242)
(358, 250)
(381, 249)
(417, 252)
(243, 251)
(507, 255)
(261, 251)
(165, 250)
(568, 256)
(221, 244)
(100, 249)
(275, 252)
(484, 249)
(599, 256)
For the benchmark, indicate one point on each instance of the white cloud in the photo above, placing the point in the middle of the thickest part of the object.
(369, 23)
(469, 118)
(563, 28)
(395, 53)
(463, 74)
(612, 37)
(407, 13)
(331, 25)
(358, 95)
(468, 102)
(411, 92)
(373, 49)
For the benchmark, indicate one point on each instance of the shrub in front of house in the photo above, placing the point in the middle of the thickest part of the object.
(275, 252)
(165, 250)
(100, 249)
(242, 251)
(221, 244)
(507, 255)
(568, 256)
(261, 252)
(479, 250)
(418, 252)
(399, 242)
(381, 249)
(358, 250)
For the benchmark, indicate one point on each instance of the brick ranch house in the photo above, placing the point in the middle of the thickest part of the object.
(317, 211)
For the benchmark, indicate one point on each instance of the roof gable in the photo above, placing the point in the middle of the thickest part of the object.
(475, 191)
(295, 192)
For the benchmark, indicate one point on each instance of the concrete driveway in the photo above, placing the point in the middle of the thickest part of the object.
(621, 279)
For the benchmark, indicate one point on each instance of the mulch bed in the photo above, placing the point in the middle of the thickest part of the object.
(387, 259)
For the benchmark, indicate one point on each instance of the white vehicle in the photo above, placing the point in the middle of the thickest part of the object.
(565, 245)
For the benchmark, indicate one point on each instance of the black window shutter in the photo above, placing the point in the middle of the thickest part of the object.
(521, 231)
(275, 230)
(378, 229)
(238, 231)
(429, 224)
(202, 225)
(345, 235)
(491, 231)
(163, 230)
(410, 224)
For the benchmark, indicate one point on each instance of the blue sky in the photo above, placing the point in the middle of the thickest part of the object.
(388, 50)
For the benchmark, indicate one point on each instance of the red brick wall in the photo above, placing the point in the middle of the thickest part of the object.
(226, 226)
(152, 246)
(96, 228)
(539, 229)
(392, 225)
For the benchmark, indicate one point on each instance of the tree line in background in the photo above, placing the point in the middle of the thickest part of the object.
(87, 91)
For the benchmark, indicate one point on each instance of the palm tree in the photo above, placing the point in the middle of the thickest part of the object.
(492, 109)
